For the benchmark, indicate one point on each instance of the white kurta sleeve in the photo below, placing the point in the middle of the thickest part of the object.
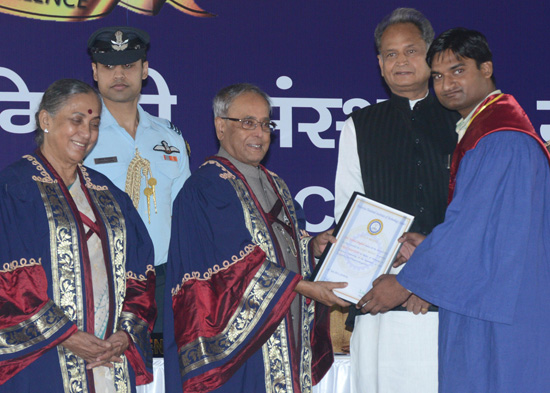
(348, 170)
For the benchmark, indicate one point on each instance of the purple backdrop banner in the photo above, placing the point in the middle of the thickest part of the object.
(315, 58)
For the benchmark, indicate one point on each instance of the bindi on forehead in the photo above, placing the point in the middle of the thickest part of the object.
(90, 111)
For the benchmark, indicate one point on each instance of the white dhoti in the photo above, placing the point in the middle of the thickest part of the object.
(395, 352)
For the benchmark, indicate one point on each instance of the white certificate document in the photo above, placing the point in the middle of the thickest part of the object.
(365, 248)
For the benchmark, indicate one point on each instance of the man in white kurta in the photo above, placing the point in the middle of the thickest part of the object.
(397, 153)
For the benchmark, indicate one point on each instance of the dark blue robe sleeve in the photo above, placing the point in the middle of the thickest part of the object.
(30, 322)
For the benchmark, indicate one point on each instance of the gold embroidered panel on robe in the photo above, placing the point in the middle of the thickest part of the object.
(38, 328)
(67, 276)
(138, 330)
(308, 317)
(259, 293)
(276, 351)
(115, 224)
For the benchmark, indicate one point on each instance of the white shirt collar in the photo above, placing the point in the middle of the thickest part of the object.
(412, 103)
(462, 124)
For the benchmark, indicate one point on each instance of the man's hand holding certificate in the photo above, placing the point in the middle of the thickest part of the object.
(366, 246)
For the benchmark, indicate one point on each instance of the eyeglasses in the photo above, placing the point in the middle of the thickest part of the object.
(251, 124)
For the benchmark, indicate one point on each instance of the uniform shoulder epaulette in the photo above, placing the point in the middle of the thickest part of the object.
(173, 127)
(188, 148)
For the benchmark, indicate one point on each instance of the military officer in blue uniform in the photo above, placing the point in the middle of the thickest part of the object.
(142, 154)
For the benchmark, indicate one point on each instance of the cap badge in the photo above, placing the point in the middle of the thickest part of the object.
(119, 45)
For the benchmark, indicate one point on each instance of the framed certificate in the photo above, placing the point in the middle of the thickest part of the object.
(365, 248)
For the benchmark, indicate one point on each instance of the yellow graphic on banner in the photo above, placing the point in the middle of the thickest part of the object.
(146, 7)
(190, 7)
(82, 10)
(152, 7)
(60, 10)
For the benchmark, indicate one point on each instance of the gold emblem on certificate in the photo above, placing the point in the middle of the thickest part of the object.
(375, 227)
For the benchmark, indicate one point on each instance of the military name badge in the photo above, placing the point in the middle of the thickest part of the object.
(362, 251)
(105, 160)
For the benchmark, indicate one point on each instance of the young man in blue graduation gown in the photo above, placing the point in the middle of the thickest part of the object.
(487, 265)
(237, 261)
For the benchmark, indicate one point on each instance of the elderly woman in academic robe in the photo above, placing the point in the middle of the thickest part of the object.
(76, 281)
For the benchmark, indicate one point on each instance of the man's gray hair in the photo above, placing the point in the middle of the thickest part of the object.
(227, 95)
(405, 15)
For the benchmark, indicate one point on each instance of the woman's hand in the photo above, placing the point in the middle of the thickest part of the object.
(120, 343)
(97, 352)
(86, 346)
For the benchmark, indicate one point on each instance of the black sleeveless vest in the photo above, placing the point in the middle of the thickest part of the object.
(405, 156)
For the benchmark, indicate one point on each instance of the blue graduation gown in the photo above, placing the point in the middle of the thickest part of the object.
(487, 268)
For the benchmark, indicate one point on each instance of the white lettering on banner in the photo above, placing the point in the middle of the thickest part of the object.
(327, 197)
(21, 95)
(163, 99)
(544, 128)
(321, 105)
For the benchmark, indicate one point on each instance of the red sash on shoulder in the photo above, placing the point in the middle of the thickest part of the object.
(498, 112)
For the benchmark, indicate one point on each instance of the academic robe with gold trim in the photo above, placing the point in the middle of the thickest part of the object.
(230, 329)
(45, 280)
